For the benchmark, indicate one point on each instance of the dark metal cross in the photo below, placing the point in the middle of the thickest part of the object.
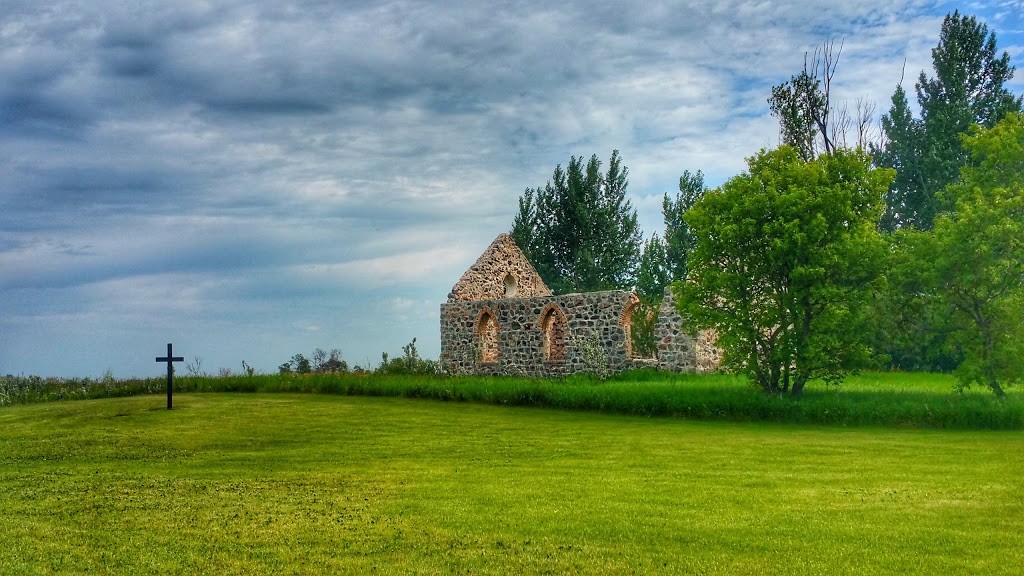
(170, 358)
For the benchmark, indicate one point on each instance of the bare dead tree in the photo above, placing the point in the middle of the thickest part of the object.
(867, 130)
(195, 368)
(319, 357)
(808, 119)
(883, 139)
(839, 125)
(823, 68)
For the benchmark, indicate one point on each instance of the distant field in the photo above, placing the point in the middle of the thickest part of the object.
(308, 483)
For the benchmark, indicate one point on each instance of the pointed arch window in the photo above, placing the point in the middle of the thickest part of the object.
(487, 337)
(626, 320)
(627, 327)
(555, 328)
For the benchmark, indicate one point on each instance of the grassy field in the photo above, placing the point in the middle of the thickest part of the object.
(307, 483)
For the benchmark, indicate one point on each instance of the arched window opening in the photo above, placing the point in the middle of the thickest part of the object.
(511, 286)
(638, 325)
(627, 327)
(555, 329)
(487, 337)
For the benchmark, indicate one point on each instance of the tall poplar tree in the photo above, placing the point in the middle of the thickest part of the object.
(579, 230)
(679, 240)
(906, 202)
(968, 88)
(653, 275)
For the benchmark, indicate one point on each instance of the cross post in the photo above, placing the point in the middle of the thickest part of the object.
(170, 358)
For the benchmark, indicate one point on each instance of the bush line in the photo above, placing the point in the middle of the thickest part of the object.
(699, 397)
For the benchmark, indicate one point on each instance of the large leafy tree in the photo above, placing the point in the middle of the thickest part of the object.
(975, 257)
(579, 230)
(679, 240)
(786, 259)
(968, 88)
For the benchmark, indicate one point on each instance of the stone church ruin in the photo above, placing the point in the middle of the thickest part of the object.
(500, 318)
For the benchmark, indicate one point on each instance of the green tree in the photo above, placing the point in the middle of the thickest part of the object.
(579, 231)
(324, 362)
(409, 362)
(976, 253)
(910, 323)
(795, 103)
(906, 202)
(787, 258)
(968, 88)
(679, 241)
(641, 333)
(997, 157)
(301, 364)
(531, 229)
(653, 274)
(652, 279)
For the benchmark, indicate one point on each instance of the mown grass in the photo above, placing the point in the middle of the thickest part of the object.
(878, 399)
(307, 483)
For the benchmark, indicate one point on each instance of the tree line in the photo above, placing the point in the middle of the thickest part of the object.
(845, 247)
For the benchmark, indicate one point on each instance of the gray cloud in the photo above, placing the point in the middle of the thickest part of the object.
(255, 179)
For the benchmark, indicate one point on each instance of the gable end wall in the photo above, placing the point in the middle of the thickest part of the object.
(485, 279)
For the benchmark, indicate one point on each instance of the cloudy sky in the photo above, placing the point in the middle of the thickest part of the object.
(250, 180)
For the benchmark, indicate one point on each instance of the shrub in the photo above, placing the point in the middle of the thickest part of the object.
(595, 359)
(409, 363)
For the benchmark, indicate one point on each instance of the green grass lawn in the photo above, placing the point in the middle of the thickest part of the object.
(307, 483)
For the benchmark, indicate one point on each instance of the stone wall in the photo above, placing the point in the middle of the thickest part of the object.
(541, 336)
(536, 336)
(678, 350)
